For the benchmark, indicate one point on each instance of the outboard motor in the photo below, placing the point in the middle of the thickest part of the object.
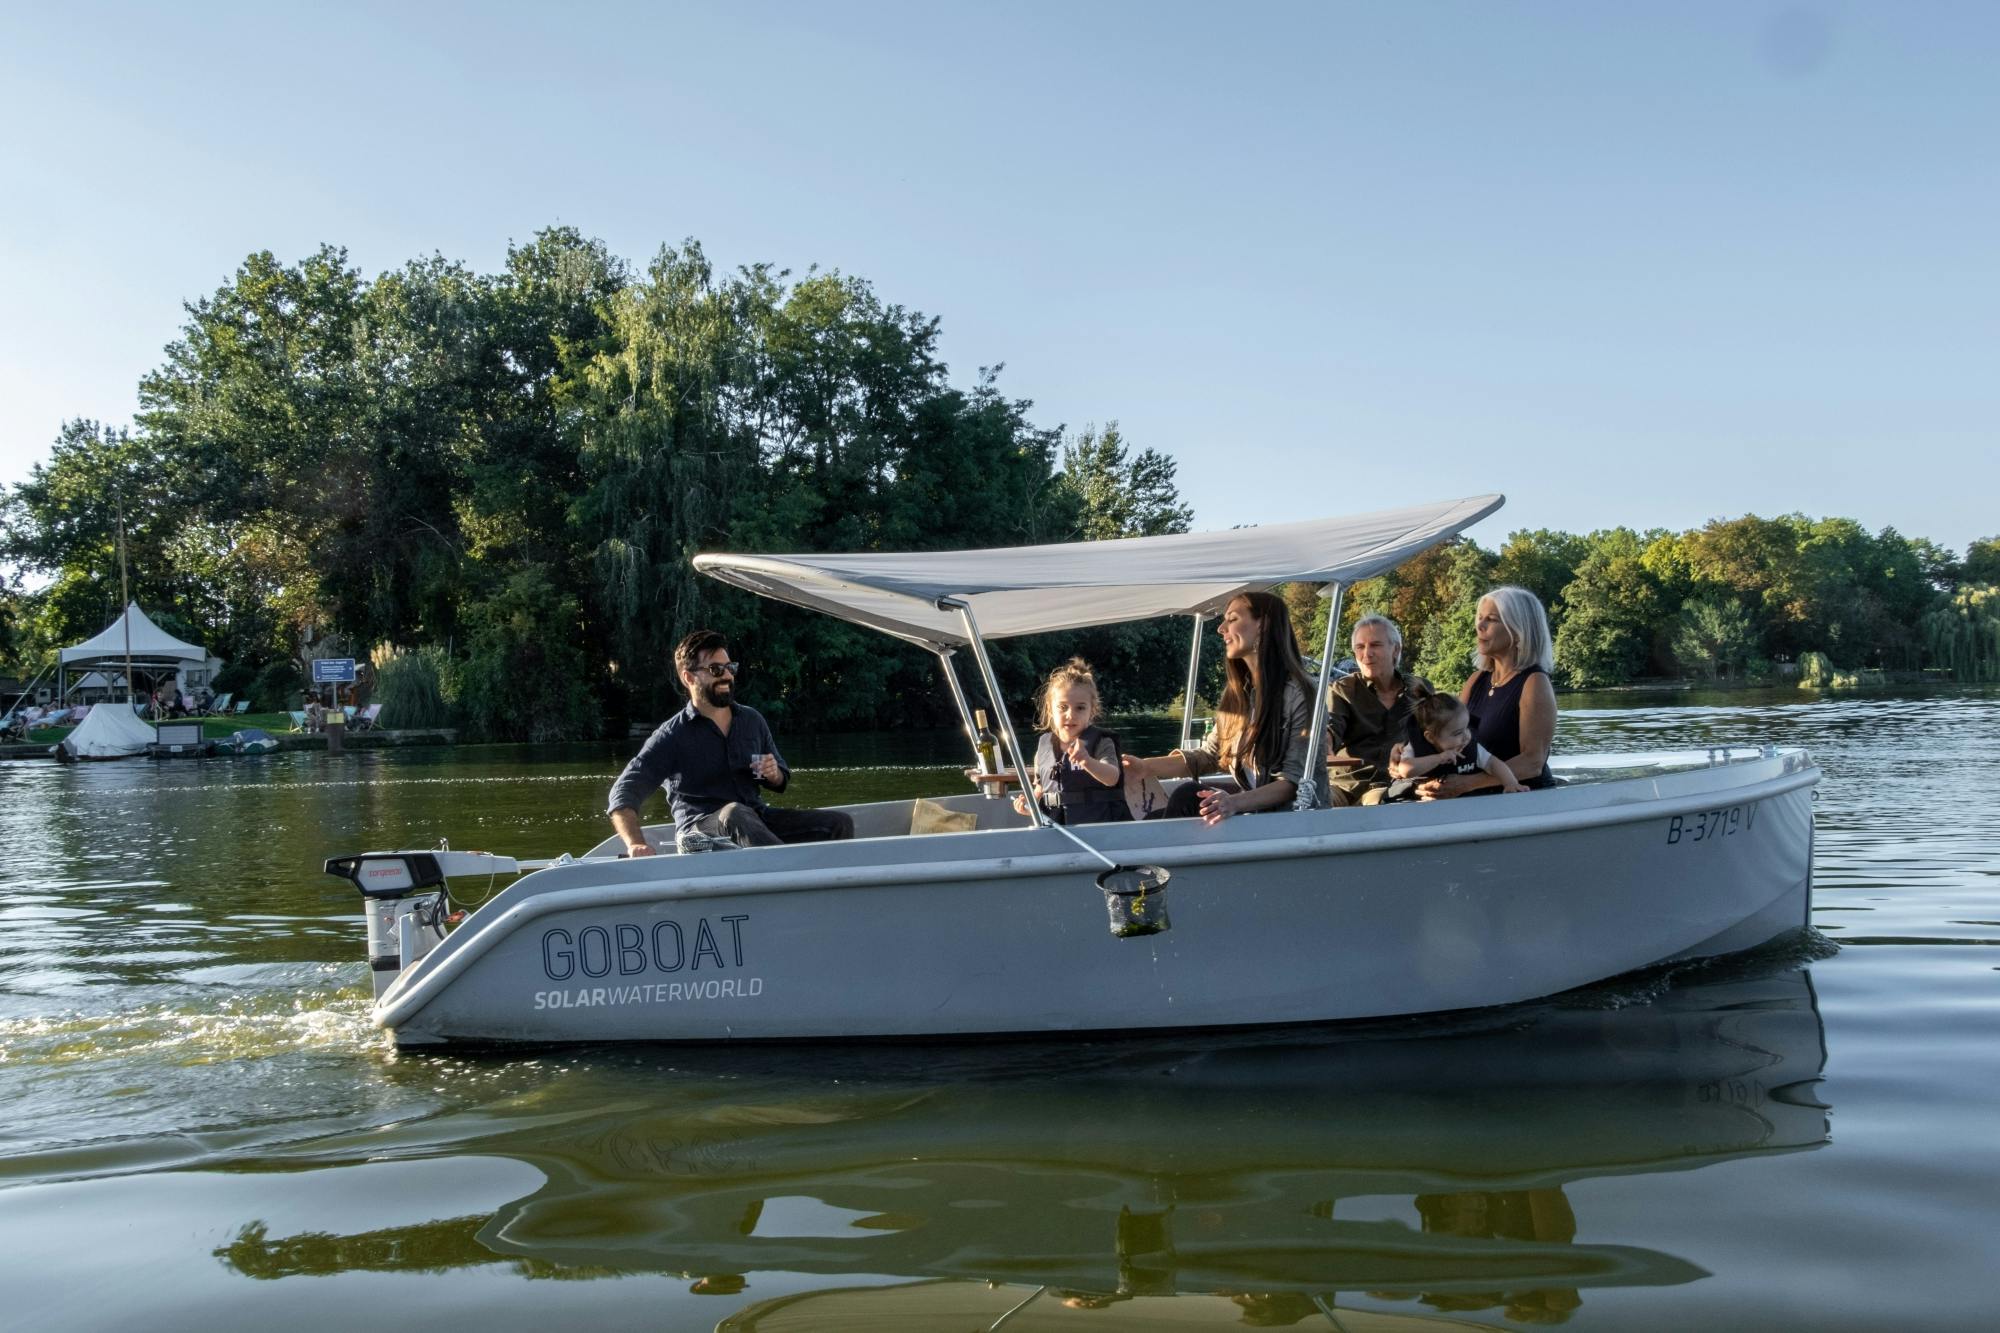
(406, 901)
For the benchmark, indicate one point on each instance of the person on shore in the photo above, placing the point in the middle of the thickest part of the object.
(1262, 721)
(1078, 778)
(1440, 743)
(716, 757)
(1368, 712)
(1510, 697)
(315, 713)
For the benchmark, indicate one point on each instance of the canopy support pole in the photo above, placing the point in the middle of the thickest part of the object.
(1035, 811)
(958, 697)
(1308, 797)
(1194, 676)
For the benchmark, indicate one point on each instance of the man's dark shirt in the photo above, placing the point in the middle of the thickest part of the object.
(1358, 725)
(702, 769)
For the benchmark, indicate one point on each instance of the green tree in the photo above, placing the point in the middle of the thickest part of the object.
(63, 521)
(11, 611)
(1756, 559)
(1964, 635)
(390, 559)
(1615, 610)
(523, 674)
(662, 457)
(254, 411)
(409, 686)
(1940, 567)
(1444, 646)
(1982, 561)
(1543, 562)
(1713, 638)
(255, 422)
(550, 314)
(1122, 495)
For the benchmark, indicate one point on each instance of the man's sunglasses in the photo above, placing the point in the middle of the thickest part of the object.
(717, 670)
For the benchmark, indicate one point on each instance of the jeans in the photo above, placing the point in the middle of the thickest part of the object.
(748, 826)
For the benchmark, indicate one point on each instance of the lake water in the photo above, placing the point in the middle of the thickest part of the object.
(202, 1132)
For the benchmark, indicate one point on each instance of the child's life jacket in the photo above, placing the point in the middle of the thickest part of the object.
(1072, 796)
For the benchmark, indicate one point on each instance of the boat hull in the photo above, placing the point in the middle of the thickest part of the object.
(1286, 918)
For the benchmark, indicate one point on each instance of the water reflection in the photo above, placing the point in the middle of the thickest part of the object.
(1408, 1162)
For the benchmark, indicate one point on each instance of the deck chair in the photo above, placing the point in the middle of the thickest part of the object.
(298, 716)
(365, 719)
(242, 707)
(220, 704)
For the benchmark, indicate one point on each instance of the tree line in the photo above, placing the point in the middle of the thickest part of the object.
(492, 484)
(1746, 598)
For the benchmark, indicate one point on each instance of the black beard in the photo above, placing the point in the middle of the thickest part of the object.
(711, 695)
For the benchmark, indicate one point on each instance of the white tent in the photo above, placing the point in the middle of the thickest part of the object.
(109, 731)
(149, 643)
(152, 650)
(1036, 589)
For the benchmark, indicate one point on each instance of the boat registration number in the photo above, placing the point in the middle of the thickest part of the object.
(1705, 825)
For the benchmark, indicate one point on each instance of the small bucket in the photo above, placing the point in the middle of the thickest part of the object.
(1136, 899)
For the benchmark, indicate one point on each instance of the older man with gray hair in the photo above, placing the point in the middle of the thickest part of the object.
(1368, 712)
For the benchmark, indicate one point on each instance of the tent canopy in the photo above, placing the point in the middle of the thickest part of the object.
(150, 643)
(1036, 589)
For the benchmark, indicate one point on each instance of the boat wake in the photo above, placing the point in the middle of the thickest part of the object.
(301, 1006)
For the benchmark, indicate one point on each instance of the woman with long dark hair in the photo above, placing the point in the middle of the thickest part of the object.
(1262, 720)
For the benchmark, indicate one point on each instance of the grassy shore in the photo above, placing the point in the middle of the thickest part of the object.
(279, 725)
(212, 728)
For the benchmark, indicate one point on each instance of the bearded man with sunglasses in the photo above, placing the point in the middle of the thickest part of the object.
(716, 758)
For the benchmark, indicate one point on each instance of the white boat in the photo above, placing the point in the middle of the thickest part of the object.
(1306, 915)
(108, 731)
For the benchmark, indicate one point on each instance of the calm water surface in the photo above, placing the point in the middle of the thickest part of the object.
(202, 1132)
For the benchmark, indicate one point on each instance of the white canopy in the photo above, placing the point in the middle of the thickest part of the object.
(1035, 589)
(150, 643)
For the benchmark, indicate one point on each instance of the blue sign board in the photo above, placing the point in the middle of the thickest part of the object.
(328, 669)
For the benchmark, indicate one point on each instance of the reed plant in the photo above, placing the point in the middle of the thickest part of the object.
(410, 687)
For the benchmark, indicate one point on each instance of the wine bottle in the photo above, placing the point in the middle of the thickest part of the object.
(988, 744)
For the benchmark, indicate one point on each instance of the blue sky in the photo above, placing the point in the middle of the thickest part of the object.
(1646, 264)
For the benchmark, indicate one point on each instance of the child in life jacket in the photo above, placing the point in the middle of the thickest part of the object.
(1440, 743)
(1078, 776)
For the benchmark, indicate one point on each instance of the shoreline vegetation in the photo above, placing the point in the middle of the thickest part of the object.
(1896, 682)
(487, 487)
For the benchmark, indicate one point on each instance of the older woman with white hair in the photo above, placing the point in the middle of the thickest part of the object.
(1510, 697)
